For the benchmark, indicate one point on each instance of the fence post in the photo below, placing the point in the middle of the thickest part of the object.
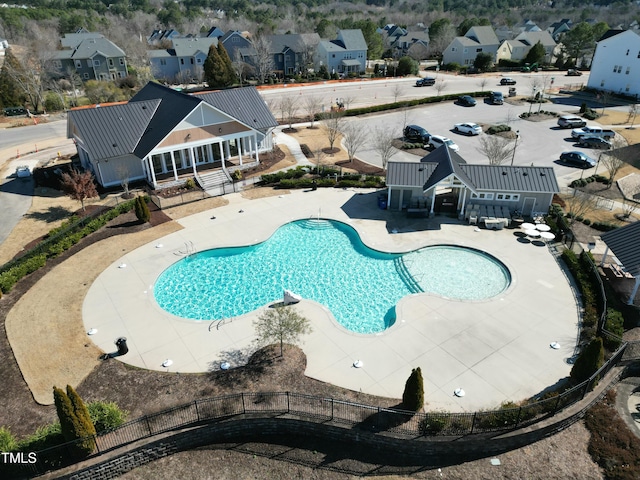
(331, 408)
(518, 417)
(195, 403)
(473, 422)
(146, 419)
(288, 405)
(555, 408)
(244, 410)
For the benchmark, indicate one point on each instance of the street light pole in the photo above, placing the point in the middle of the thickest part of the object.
(515, 146)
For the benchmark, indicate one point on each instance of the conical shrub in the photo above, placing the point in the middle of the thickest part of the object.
(413, 396)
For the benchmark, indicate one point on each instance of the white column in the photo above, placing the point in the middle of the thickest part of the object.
(433, 201)
(227, 150)
(153, 172)
(239, 143)
(173, 165)
(222, 157)
(193, 160)
(255, 145)
(604, 256)
(464, 201)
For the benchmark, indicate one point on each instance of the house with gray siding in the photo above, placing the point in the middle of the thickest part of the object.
(183, 63)
(91, 56)
(346, 54)
(161, 135)
(443, 182)
(464, 50)
(293, 53)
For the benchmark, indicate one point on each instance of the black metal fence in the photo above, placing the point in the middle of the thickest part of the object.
(322, 410)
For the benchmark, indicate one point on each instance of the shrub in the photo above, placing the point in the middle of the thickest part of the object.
(73, 426)
(493, 129)
(506, 416)
(45, 437)
(586, 221)
(589, 361)
(433, 423)
(613, 324)
(7, 440)
(583, 107)
(190, 184)
(413, 396)
(106, 416)
(142, 210)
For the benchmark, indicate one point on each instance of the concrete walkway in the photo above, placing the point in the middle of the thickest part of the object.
(496, 350)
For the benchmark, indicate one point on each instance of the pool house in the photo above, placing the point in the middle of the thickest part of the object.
(444, 183)
(162, 135)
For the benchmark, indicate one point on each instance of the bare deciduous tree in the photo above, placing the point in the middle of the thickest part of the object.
(332, 126)
(383, 145)
(289, 108)
(440, 85)
(263, 57)
(312, 105)
(633, 112)
(396, 91)
(629, 207)
(355, 135)
(580, 204)
(497, 149)
(482, 83)
(612, 160)
(280, 324)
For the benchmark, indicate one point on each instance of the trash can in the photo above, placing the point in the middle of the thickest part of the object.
(121, 343)
(382, 203)
(512, 91)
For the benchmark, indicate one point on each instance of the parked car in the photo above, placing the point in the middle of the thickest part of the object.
(571, 121)
(23, 171)
(507, 81)
(468, 128)
(594, 142)
(467, 101)
(415, 133)
(578, 159)
(425, 82)
(437, 141)
(572, 72)
(496, 98)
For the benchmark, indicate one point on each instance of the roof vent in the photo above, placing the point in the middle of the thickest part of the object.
(504, 173)
(115, 145)
(144, 107)
(542, 174)
(525, 174)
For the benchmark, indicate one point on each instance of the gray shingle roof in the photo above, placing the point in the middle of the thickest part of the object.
(298, 42)
(624, 242)
(188, 47)
(89, 47)
(353, 39)
(126, 125)
(483, 34)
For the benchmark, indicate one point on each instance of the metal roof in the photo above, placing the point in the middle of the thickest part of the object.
(126, 124)
(244, 104)
(408, 174)
(448, 162)
(624, 242)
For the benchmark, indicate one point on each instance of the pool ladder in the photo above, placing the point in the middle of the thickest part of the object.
(405, 275)
(189, 249)
(219, 323)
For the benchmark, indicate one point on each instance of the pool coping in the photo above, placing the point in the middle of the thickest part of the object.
(496, 349)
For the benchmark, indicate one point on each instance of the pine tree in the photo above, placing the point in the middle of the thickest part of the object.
(589, 361)
(71, 426)
(10, 93)
(84, 419)
(413, 396)
(142, 210)
(230, 74)
(214, 68)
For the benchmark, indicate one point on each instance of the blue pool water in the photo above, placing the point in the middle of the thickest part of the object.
(324, 261)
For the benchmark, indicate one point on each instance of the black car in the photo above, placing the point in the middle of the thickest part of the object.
(578, 159)
(572, 72)
(507, 81)
(594, 142)
(425, 82)
(467, 101)
(415, 133)
(496, 98)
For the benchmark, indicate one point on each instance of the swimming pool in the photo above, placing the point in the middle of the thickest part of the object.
(324, 261)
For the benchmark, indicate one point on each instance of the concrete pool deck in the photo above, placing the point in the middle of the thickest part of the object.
(495, 350)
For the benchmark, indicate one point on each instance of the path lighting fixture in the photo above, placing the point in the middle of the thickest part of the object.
(515, 146)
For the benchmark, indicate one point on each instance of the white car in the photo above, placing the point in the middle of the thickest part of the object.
(437, 141)
(468, 128)
(23, 171)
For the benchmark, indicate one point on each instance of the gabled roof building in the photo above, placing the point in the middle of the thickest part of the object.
(161, 134)
(91, 56)
(346, 54)
(448, 183)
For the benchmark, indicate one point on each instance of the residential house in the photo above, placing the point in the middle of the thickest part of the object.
(526, 25)
(159, 37)
(504, 32)
(213, 32)
(623, 244)
(183, 62)
(518, 48)
(238, 45)
(414, 43)
(293, 53)
(616, 63)
(91, 56)
(446, 183)
(346, 54)
(464, 50)
(556, 29)
(161, 134)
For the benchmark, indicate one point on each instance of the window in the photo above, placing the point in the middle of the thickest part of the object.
(628, 70)
(122, 61)
(191, 60)
(182, 61)
(478, 50)
(627, 88)
(110, 62)
(602, 83)
(57, 64)
(78, 64)
(333, 55)
(163, 61)
(482, 196)
(638, 54)
(627, 51)
(86, 76)
(96, 63)
(453, 49)
(198, 61)
(509, 197)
